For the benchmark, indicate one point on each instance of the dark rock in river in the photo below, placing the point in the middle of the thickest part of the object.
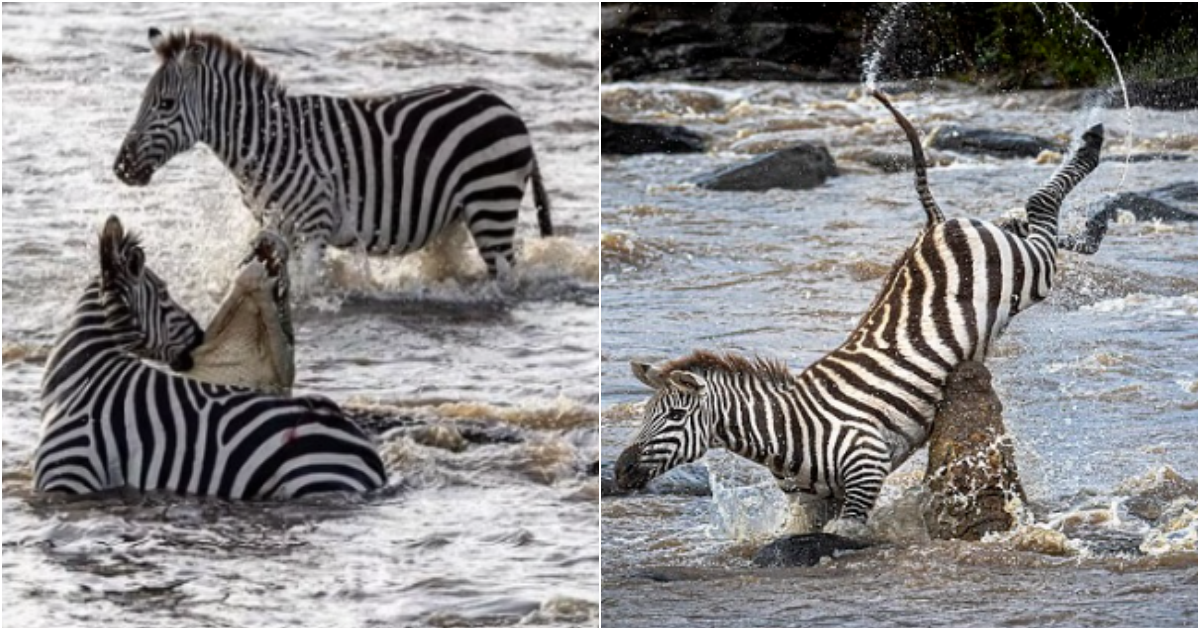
(972, 472)
(1150, 205)
(1002, 144)
(621, 138)
(799, 167)
(804, 550)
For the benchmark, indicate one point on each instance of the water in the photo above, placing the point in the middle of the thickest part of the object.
(498, 534)
(1098, 382)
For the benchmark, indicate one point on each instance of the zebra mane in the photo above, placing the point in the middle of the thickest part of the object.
(177, 42)
(772, 370)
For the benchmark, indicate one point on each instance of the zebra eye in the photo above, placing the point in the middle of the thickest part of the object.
(166, 104)
(676, 414)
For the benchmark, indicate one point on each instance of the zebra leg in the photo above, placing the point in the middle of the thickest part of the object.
(861, 477)
(1086, 243)
(493, 225)
(1042, 208)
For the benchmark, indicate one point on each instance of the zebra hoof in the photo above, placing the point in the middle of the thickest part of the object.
(804, 550)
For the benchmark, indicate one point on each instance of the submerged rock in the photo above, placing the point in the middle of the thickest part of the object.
(804, 550)
(1001, 144)
(1150, 205)
(972, 471)
(800, 167)
(622, 138)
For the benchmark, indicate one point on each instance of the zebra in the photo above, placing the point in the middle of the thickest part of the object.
(111, 421)
(832, 433)
(382, 174)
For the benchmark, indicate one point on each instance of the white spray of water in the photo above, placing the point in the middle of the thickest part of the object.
(879, 40)
(1079, 19)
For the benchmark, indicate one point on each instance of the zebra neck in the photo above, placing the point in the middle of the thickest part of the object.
(750, 413)
(97, 335)
(247, 117)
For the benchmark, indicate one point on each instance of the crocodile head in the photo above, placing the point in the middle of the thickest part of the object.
(250, 341)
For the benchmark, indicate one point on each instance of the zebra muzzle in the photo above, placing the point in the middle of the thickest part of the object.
(630, 472)
(129, 171)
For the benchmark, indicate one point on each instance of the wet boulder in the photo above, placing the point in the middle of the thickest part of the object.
(622, 138)
(1001, 144)
(1158, 204)
(799, 167)
(804, 550)
(972, 471)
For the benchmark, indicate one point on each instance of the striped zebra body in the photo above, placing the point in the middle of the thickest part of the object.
(833, 433)
(110, 421)
(382, 174)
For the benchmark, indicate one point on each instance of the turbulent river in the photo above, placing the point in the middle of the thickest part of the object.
(1098, 383)
(497, 531)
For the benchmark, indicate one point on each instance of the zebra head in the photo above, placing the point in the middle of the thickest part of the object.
(135, 300)
(170, 119)
(675, 429)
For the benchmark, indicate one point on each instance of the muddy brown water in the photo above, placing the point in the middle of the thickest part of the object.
(1098, 383)
(496, 534)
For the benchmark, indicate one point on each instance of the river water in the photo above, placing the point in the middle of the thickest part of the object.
(498, 532)
(1098, 382)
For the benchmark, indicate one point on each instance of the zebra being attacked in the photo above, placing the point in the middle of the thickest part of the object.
(111, 421)
(832, 433)
(383, 174)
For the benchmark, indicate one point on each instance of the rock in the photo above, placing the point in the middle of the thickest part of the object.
(1002, 144)
(972, 472)
(804, 550)
(1149, 205)
(800, 167)
(1041, 540)
(621, 138)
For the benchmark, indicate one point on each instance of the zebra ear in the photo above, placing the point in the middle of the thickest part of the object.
(687, 382)
(156, 37)
(111, 264)
(647, 374)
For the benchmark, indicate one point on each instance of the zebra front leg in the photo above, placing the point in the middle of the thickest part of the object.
(861, 478)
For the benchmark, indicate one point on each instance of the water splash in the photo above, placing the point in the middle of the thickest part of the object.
(879, 41)
(1079, 19)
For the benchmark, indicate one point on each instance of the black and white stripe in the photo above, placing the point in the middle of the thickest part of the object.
(385, 174)
(836, 430)
(111, 421)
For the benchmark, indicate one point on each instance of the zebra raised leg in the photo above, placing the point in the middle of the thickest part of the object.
(111, 421)
(385, 173)
(837, 429)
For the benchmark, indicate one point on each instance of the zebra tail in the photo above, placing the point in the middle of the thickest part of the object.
(933, 214)
(1042, 208)
(542, 201)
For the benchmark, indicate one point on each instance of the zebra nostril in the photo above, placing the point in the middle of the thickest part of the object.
(629, 474)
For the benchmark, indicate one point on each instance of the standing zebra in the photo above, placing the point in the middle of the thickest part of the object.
(385, 174)
(831, 434)
(111, 421)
